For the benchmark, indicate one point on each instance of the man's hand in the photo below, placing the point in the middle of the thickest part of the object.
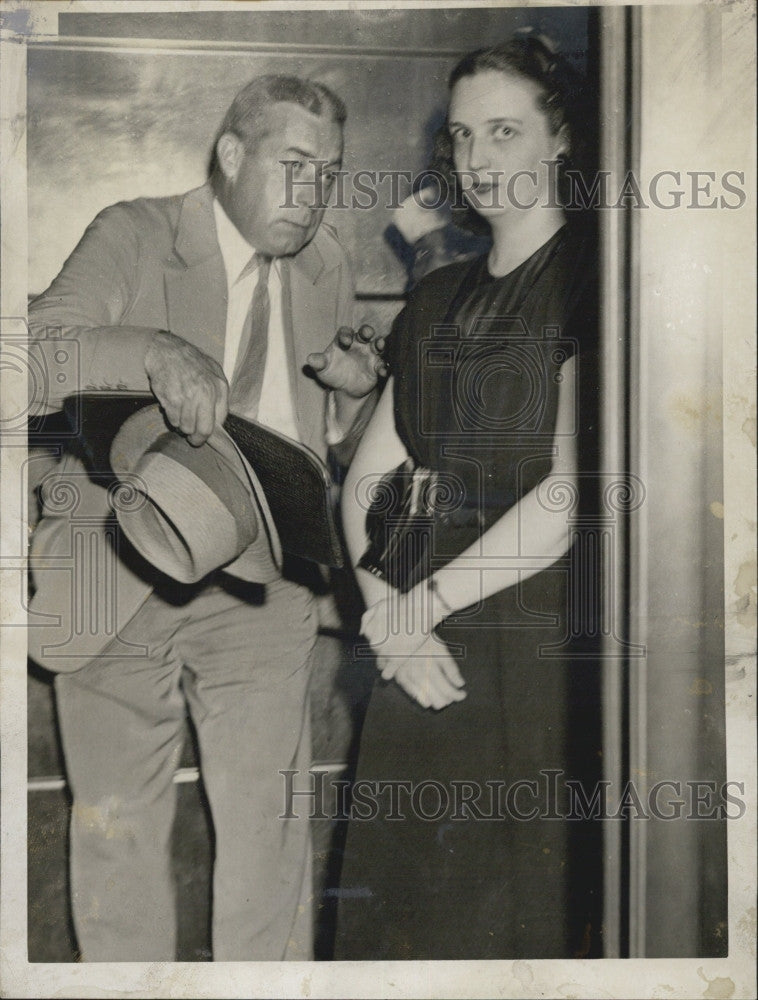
(190, 386)
(352, 363)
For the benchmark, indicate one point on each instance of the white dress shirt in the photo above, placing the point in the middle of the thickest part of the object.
(276, 408)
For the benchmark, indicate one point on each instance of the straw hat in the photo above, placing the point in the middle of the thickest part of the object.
(203, 508)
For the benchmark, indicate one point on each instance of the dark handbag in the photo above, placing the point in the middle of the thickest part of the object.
(400, 526)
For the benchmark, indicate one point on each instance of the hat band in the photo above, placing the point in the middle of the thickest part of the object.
(184, 529)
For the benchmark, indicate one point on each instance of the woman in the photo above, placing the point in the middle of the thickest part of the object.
(455, 848)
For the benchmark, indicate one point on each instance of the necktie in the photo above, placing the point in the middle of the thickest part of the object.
(247, 380)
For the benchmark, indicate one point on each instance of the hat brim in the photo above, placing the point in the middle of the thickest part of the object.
(260, 562)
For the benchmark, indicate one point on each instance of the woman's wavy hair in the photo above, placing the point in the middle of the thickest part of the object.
(562, 98)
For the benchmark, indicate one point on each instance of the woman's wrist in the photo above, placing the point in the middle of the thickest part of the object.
(441, 607)
(427, 604)
(373, 588)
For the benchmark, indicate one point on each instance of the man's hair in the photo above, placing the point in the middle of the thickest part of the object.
(245, 116)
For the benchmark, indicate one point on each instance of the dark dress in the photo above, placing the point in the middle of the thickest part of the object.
(458, 867)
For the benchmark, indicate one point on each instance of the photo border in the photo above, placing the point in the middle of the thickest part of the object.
(729, 977)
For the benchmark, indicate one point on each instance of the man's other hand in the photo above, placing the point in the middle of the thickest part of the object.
(189, 385)
(352, 363)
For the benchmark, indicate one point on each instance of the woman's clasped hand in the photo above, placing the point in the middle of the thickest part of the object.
(400, 630)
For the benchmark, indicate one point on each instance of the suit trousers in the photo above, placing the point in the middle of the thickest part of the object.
(237, 656)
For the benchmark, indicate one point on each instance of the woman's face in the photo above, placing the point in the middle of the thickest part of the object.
(501, 140)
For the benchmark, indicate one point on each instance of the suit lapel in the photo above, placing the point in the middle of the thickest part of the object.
(310, 294)
(195, 279)
(196, 304)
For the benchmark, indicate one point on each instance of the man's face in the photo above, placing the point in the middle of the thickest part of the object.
(275, 220)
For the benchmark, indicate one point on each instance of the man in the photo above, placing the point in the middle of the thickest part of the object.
(165, 295)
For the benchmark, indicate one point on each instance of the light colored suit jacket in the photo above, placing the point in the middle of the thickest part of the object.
(142, 266)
